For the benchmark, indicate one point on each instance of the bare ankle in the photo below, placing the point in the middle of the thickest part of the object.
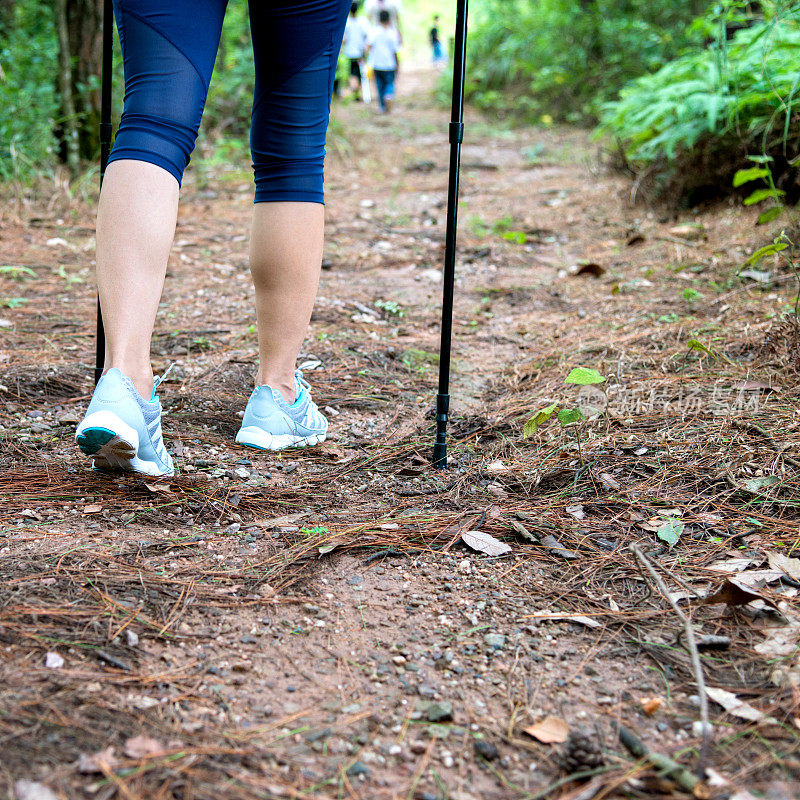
(282, 383)
(141, 378)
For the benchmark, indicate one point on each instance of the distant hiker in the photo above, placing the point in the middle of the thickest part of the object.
(355, 43)
(383, 44)
(169, 49)
(436, 43)
(373, 8)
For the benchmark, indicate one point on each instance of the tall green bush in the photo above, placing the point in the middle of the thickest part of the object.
(563, 58)
(688, 127)
(29, 106)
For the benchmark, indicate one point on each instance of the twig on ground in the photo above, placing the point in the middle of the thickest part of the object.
(691, 644)
(672, 769)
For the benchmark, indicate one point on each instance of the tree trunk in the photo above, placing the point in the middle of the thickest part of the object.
(80, 44)
(85, 20)
(69, 126)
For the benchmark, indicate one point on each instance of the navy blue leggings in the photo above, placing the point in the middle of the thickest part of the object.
(169, 48)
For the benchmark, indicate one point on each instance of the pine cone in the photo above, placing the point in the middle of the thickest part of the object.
(581, 751)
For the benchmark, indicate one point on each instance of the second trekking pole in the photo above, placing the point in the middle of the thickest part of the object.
(105, 149)
(456, 138)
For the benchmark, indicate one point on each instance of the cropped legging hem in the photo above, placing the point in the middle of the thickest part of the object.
(129, 154)
(169, 51)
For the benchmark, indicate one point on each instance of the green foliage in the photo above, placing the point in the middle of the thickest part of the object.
(584, 376)
(29, 105)
(694, 121)
(562, 59)
(670, 532)
(230, 95)
(392, 308)
(569, 416)
(539, 418)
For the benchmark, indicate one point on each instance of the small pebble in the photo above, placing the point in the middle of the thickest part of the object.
(485, 749)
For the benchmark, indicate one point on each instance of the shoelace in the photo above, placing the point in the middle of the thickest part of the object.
(159, 379)
(304, 384)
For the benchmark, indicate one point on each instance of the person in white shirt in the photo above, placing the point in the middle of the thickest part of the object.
(373, 8)
(355, 43)
(383, 44)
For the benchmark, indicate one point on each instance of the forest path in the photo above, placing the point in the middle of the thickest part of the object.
(310, 624)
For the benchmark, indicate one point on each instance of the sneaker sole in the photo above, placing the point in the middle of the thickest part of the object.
(112, 445)
(260, 439)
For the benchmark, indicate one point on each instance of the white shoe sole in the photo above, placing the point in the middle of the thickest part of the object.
(252, 436)
(112, 445)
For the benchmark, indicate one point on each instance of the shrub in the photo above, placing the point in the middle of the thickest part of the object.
(564, 58)
(686, 129)
(29, 106)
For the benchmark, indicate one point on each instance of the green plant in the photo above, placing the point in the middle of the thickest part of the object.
(29, 105)
(560, 59)
(770, 192)
(419, 361)
(314, 531)
(392, 308)
(567, 416)
(17, 271)
(692, 295)
(691, 125)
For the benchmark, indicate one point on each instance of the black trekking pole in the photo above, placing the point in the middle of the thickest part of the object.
(456, 137)
(105, 149)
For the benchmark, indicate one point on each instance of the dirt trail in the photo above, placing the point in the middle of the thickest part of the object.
(311, 625)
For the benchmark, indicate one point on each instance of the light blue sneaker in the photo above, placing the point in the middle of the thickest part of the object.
(121, 430)
(270, 423)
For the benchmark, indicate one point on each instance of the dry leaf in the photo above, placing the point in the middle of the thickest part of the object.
(688, 231)
(30, 790)
(576, 511)
(781, 641)
(651, 704)
(281, 522)
(733, 705)
(554, 546)
(550, 730)
(609, 481)
(88, 764)
(485, 543)
(579, 618)
(587, 268)
(143, 747)
(95, 508)
(523, 531)
(736, 593)
(158, 488)
(789, 566)
(731, 565)
(497, 466)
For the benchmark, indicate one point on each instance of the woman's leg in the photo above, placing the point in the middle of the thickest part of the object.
(168, 52)
(296, 48)
(285, 258)
(135, 226)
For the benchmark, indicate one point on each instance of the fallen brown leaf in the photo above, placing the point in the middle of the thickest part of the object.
(789, 566)
(736, 593)
(88, 764)
(485, 543)
(550, 730)
(143, 747)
